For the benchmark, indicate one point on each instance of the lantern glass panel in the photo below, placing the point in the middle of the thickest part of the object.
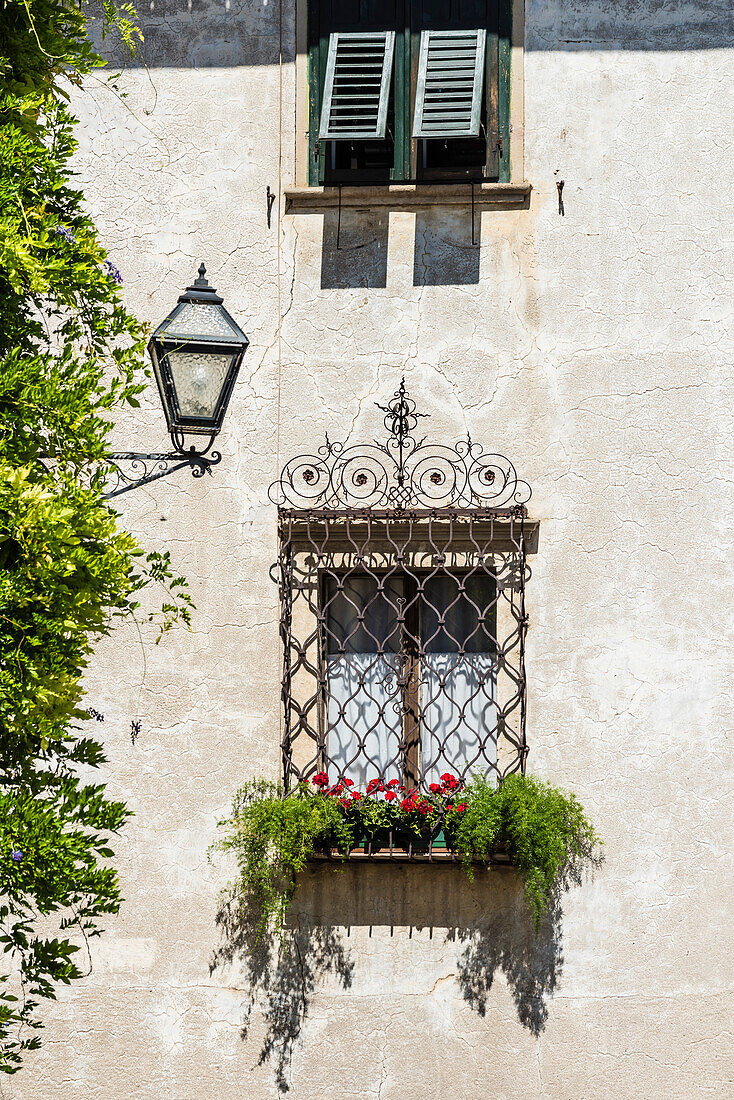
(201, 319)
(198, 378)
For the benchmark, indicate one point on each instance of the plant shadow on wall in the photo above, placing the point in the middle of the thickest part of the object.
(285, 924)
(281, 974)
(486, 919)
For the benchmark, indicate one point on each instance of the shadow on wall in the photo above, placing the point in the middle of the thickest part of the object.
(487, 920)
(280, 977)
(565, 25)
(216, 33)
(354, 249)
(204, 34)
(447, 248)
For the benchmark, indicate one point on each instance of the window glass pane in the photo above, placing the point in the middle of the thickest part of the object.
(362, 614)
(458, 613)
(458, 675)
(364, 706)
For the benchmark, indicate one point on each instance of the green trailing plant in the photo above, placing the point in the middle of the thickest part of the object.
(543, 830)
(70, 353)
(272, 834)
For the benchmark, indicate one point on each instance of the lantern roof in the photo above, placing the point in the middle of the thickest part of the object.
(200, 316)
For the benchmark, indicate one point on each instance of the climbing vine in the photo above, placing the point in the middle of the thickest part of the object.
(70, 354)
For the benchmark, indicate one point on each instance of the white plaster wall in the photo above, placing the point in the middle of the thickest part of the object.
(595, 350)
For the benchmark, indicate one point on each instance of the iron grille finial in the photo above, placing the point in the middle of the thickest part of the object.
(401, 420)
(403, 472)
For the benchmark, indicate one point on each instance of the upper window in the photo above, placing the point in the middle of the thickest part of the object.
(409, 90)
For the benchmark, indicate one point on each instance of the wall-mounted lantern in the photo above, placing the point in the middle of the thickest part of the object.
(196, 354)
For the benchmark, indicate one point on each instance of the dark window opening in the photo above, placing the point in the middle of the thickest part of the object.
(410, 673)
(454, 159)
(460, 151)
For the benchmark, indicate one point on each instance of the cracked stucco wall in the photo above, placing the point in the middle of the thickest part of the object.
(594, 349)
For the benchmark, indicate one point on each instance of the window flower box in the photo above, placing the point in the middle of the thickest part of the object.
(401, 847)
(522, 822)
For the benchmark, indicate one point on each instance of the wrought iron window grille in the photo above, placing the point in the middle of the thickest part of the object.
(401, 570)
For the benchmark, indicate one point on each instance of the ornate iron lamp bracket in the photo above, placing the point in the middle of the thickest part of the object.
(130, 469)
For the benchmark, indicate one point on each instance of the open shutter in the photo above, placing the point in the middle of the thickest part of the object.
(357, 86)
(450, 77)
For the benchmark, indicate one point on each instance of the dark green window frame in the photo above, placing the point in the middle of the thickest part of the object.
(399, 158)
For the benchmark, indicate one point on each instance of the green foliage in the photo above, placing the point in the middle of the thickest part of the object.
(69, 355)
(543, 830)
(272, 836)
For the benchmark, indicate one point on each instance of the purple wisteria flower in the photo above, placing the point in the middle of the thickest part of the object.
(113, 271)
(16, 856)
(66, 233)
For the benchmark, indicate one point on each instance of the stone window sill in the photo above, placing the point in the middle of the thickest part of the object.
(409, 196)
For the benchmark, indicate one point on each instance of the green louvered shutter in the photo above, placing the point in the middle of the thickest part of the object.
(448, 99)
(357, 85)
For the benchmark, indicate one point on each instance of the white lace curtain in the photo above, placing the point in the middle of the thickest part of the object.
(366, 650)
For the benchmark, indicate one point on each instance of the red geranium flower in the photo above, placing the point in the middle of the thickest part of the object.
(321, 779)
(461, 807)
(392, 783)
(390, 796)
(372, 786)
(435, 787)
(348, 782)
(356, 796)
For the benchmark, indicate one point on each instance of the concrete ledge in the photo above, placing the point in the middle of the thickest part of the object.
(409, 196)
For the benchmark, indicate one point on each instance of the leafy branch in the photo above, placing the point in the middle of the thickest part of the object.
(70, 355)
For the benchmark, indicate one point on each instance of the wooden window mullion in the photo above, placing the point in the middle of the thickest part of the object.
(411, 687)
(491, 95)
(503, 84)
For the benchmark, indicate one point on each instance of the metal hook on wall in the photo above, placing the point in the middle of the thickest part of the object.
(270, 199)
(561, 207)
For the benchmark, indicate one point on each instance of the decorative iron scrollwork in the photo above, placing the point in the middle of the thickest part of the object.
(403, 472)
(127, 470)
